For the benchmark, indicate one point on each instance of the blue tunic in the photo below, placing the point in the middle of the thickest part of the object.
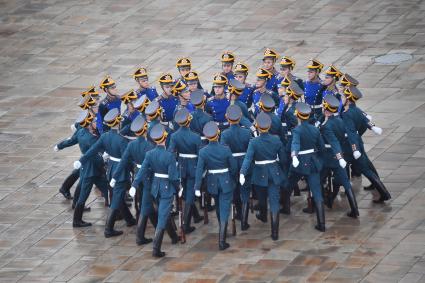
(104, 106)
(217, 108)
(150, 93)
(169, 106)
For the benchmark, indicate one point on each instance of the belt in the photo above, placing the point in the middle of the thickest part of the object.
(306, 151)
(317, 106)
(130, 138)
(283, 124)
(237, 154)
(327, 145)
(159, 175)
(263, 162)
(138, 166)
(218, 171)
(186, 155)
(114, 159)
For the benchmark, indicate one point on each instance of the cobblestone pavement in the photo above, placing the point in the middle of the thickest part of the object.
(50, 50)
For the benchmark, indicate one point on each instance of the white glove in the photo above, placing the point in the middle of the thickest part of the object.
(342, 163)
(369, 117)
(181, 192)
(356, 154)
(132, 191)
(317, 124)
(198, 193)
(73, 128)
(105, 156)
(295, 162)
(242, 179)
(112, 183)
(56, 149)
(377, 130)
(77, 164)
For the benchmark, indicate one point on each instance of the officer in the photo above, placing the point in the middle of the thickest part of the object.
(263, 76)
(332, 75)
(221, 166)
(227, 61)
(141, 77)
(334, 136)
(193, 83)
(306, 146)
(184, 66)
(199, 116)
(313, 89)
(218, 104)
(111, 101)
(270, 57)
(241, 73)
(91, 171)
(186, 144)
(167, 100)
(355, 122)
(159, 166)
(267, 174)
(237, 139)
(114, 145)
(129, 115)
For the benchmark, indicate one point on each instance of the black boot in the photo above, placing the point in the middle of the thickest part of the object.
(196, 216)
(140, 232)
(157, 242)
(297, 191)
(86, 208)
(68, 183)
(153, 217)
(187, 215)
(245, 213)
(171, 231)
(286, 203)
(353, 204)
(320, 212)
(310, 207)
(371, 187)
(380, 187)
(262, 214)
(222, 245)
(275, 225)
(128, 217)
(78, 217)
(110, 222)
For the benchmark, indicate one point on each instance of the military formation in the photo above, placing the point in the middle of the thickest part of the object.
(234, 149)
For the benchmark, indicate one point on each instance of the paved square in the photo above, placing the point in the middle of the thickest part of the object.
(51, 50)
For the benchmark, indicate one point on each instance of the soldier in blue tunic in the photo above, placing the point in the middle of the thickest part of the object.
(91, 171)
(227, 61)
(114, 145)
(313, 89)
(129, 114)
(159, 166)
(182, 92)
(356, 124)
(267, 154)
(337, 146)
(241, 73)
(141, 77)
(167, 100)
(263, 76)
(236, 88)
(287, 65)
(221, 168)
(237, 139)
(267, 106)
(193, 83)
(270, 57)
(111, 101)
(284, 83)
(332, 75)
(186, 143)
(218, 104)
(307, 144)
(184, 66)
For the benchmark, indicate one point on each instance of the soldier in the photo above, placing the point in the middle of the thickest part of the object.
(237, 139)
(236, 88)
(332, 75)
(227, 61)
(141, 77)
(182, 92)
(263, 76)
(218, 104)
(269, 59)
(140, 105)
(111, 101)
(183, 66)
(287, 65)
(159, 166)
(286, 82)
(129, 115)
(267, 106)
(217, 159)
(167, 100)
(313, 89)
(267, 174)
(306, 146)
(334, 136)
(153, 114)
(91, 171)
(193, 83)
(199, 116)
(186, 144)
(114, 145)
(356, 122)
(241, 73)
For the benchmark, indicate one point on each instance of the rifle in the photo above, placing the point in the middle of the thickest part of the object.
(181, 228)
(233, 220)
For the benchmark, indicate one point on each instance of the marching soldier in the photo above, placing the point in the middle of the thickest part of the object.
(218, 104)
(130, 113)
(140, 105)
(241, 73)
(114, 145)
(227, 61)
(141, 77)
(333, 132)
(306, 146)
(237, 139)
(267, 175)
(313, 89)
(267, 106)
(159, 166)
(199, 116)
(193, 83)
(91, 171)
(167, 100)
(184, 66)
(153, 114)
(284, 84)
(355, 122)
(111, 101)
(269, 59)
(220, 165)
(186, 144)
(332, 76)
(263, 76)
(182, 92)
(287, 65)
(236, 88)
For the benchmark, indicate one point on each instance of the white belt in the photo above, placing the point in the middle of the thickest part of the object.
(159, 175)
(327, 145)
(203, 138)
(236, 154)
(218, 171)
(316, 106)
(138, 166)
(130, 138)
(114, 159)
(186, 155)
(283, 124)
(306, 151)
(263, 162)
